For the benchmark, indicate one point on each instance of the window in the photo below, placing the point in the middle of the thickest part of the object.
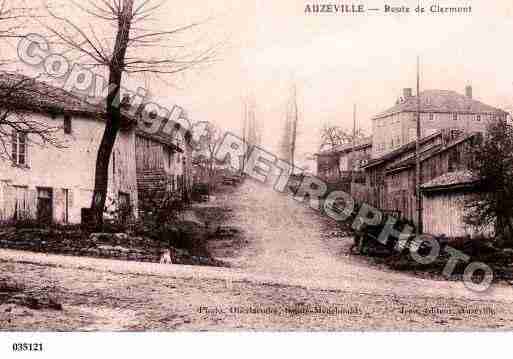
(19, 148)
(21, 203)
(455, 116)
(67, 124)
(478, 118)
(431, 116)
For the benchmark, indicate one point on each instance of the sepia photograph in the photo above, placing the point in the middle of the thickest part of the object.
(254, 166)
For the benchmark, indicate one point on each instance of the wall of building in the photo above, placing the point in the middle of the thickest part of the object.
(351, 161)
(396, 189)
(394, 131)
(327, 167)
(443, 214)
(70, 169)
(400, 187)
(387, 133)
(162, 168)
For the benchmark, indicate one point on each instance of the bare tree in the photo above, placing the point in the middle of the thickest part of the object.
(17, 125)
(124, 51)
(12, 16)
(17, 93)
(251, 131)
(289, 136)
(209, 141)
(334, 136)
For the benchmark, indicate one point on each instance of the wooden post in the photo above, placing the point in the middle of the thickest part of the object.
(294, 127)
(417, 156)
(353, 144)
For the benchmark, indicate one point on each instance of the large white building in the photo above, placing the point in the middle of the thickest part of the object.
(440, 109)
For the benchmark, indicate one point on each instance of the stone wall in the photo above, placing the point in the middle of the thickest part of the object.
(100, 245)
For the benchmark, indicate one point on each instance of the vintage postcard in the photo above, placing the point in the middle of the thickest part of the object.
(229, 166)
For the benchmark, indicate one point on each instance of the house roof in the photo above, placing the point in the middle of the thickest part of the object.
(401, 150)
(363, 143)
(441, 101)
(430, 152)
(168, 140)
(451, 180)
(30, 94)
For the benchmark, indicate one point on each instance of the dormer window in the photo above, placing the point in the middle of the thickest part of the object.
(67, 124)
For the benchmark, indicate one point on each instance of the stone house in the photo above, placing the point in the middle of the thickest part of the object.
(439, 109)
(52, 184)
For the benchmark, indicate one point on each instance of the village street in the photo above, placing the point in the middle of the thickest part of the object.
(290, 268)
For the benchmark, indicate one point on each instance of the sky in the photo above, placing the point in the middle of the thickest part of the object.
(336, 61)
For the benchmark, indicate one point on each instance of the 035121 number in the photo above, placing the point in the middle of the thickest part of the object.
(27, 347)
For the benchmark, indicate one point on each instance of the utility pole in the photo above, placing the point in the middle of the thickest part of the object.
(294, 126)
(417, 156)
(353, 144)
(244, 129)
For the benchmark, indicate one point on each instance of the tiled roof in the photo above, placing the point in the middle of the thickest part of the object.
(451, 179)
(441, 101)
(29, 94)
(26, 93)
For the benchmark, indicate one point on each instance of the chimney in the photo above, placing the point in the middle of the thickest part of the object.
(407, 93)
(468, 91)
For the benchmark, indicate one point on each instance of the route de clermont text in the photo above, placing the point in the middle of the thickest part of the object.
(435, 8)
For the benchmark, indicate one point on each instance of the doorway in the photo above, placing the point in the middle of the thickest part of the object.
(44, 205)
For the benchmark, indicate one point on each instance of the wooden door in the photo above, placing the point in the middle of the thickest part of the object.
(45, 205)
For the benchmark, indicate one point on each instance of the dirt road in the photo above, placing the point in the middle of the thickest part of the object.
(290, 276)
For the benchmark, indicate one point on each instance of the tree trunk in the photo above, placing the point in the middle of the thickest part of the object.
(113, 121)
